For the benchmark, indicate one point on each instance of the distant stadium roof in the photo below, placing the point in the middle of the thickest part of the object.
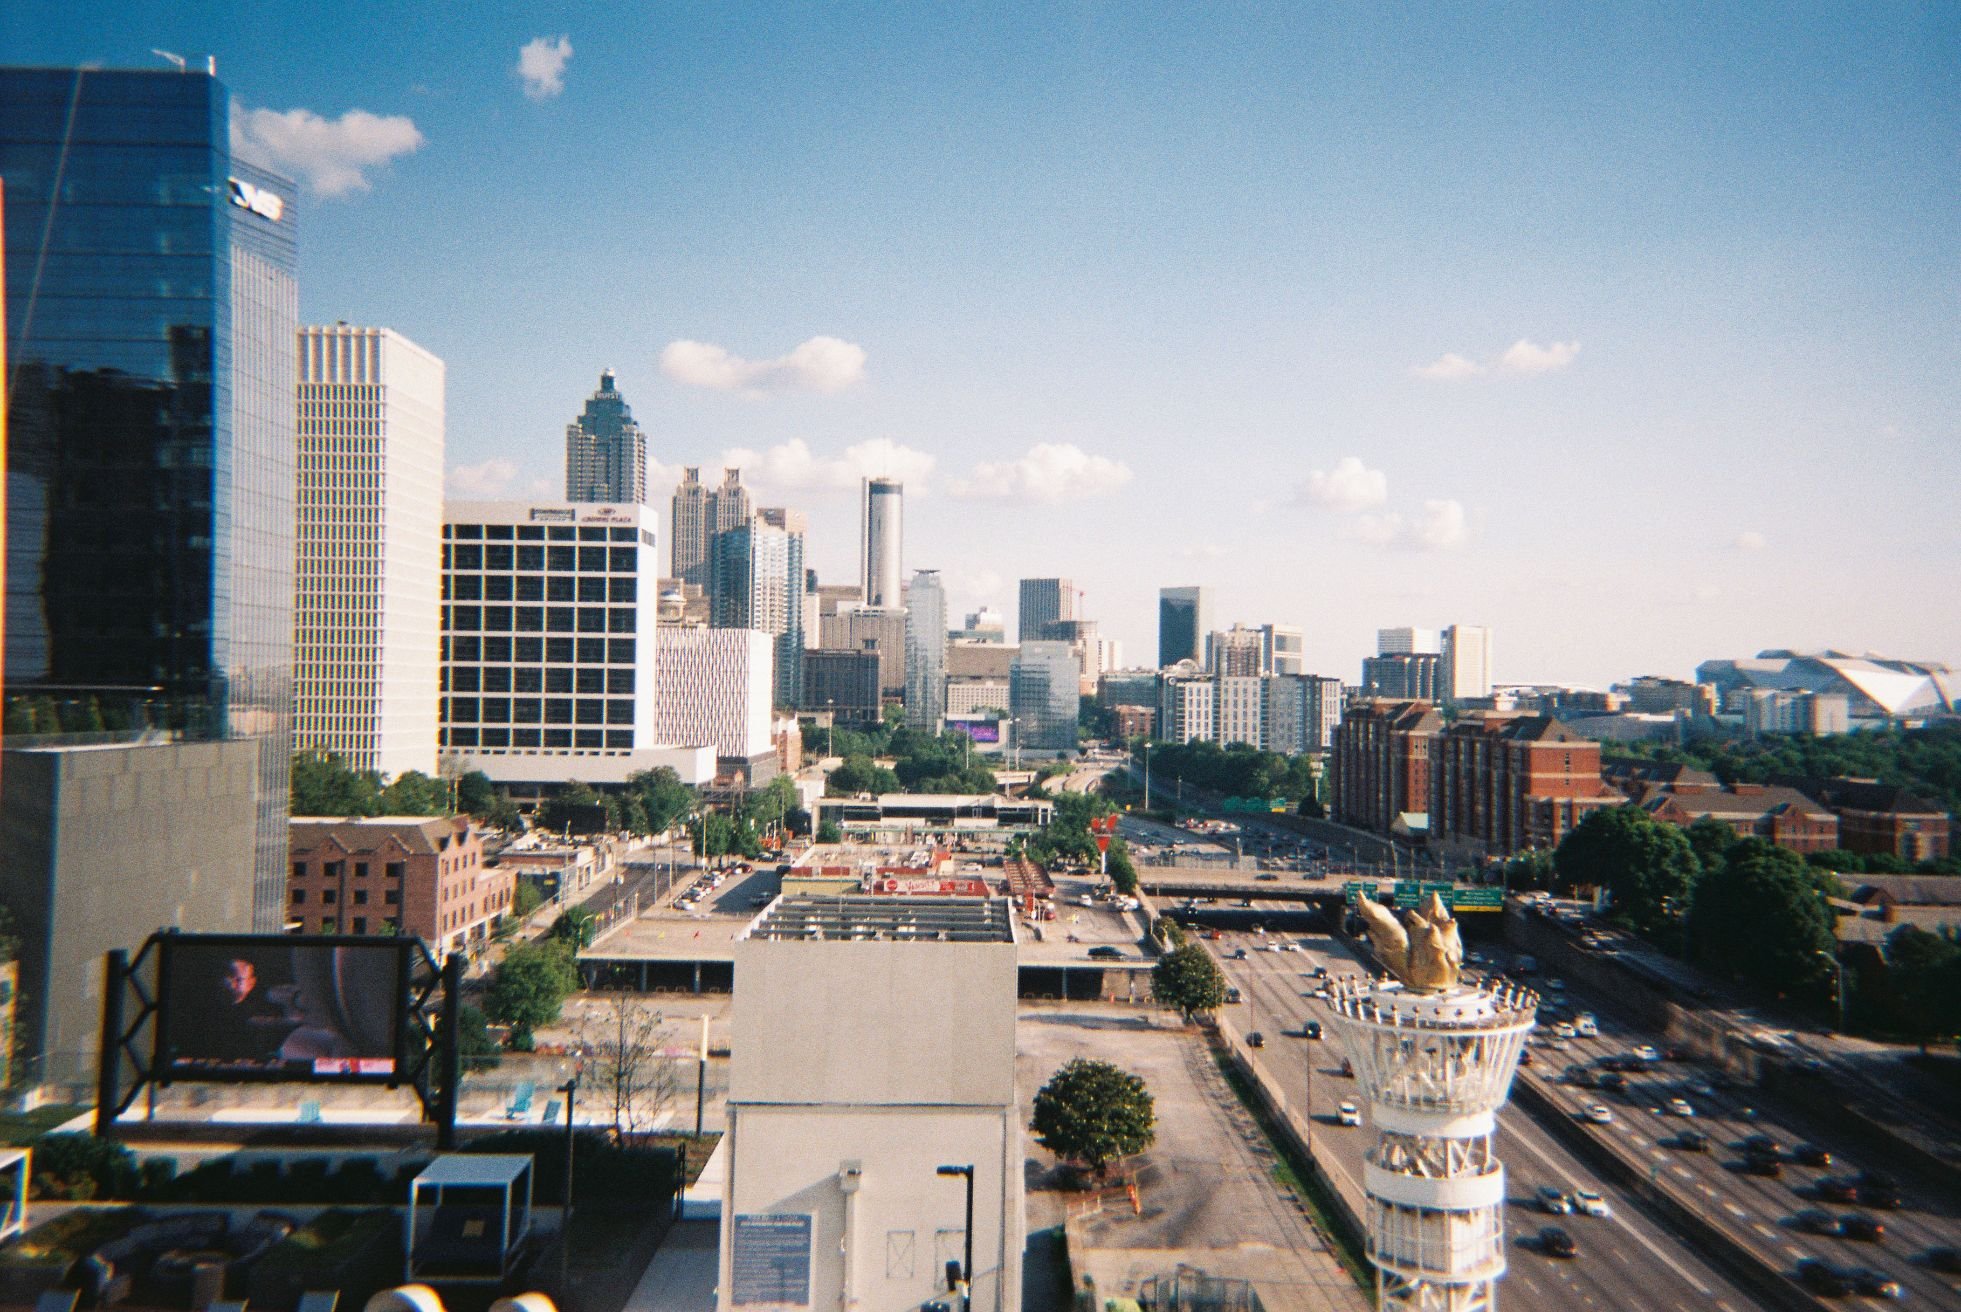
(1874, 685)
(813, 918)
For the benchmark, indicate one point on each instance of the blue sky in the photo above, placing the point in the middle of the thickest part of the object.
(1629, 331)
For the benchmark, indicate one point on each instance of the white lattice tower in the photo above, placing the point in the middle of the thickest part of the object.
(1435, 1066)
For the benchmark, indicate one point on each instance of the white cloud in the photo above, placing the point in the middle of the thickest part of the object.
(1349, 487)
(484, 481)
(1523, 357)
(541, 66)
(1749, 540)
(1050, 471)
(1442, 526)
(822, 364)
(330, 155)
(793, 466)
(1449, 367)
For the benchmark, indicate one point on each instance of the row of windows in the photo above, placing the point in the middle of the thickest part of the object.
(336, 869)
(539, 532)
(560, 651)
(389, 896)
(539, 587)
(540, 619)
(503, 678)
(537, 710)
(359, 925)
(559, 739)
(560, 560)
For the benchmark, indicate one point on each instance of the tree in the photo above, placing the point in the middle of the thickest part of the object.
(860, 774)
(622, 1042)
(576, 926)
(1647, 866)
(1761, 918)
(529, 987)
(415, 793)
(1925, 972)
(571, 805)
(474, 795)
(1711, 840)
(323, 784)
(473, 1041)
(503, 814)
(1188, 980)
(1094, 1113)
(1528, 871)
(663, 798)
(525, 899)
(828, 832)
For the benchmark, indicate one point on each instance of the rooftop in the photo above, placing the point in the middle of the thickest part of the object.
(811, 918)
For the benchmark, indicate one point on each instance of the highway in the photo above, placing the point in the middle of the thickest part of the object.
(1625, 1261)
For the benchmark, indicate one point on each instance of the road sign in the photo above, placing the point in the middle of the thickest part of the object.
(1355, 887)
(1478, 899)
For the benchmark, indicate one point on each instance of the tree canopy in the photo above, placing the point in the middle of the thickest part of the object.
(325, 785)
(1234, 770)
(1647, 866)
(1189, 981)
(1762, 916)
(1095, 1113)
(529, 986)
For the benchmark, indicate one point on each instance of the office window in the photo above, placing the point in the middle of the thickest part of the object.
(561, 587)
(495, 557)
(622, 589)
(527, 679)
(592, 619)
(592, 588)
(624, 560)
(528, 649)
(593, 559)
(497, 678)
(590, 679)
(497, 649)
(299, 896)
(530, 587)
(619, 681)
(531, 558)
(622, 535)
(561, 560)
(558, 651)
(592, 651)
(621, 619)
(466, 587)
(591, 710)
(559, 619)
(497, 587)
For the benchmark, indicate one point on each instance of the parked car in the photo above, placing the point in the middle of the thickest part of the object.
(1590, 1202)
(1586, 1026)
(1105, 952)
(1256, 1040)
(1555, 1242)
(1680, 1107)
(1234, 995)
(1311, 1030)
(1347, 1113)
(1823, 1279)
(1552, 1200)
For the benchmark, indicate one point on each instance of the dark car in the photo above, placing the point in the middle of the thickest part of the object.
(1860, 1226)
(1816, 1221)
(1874, 1284)
(1883, 1196)
(1104, 952)
(1614, 1082)
(1256, 1040)
(1555, 1242)
(1760, 1145)
(1837, 1191)
(1692, 1141)
(1311, 1030)
(1812, 1155)
(1946, 1259)
(1823, 1279)
(1768, 1167)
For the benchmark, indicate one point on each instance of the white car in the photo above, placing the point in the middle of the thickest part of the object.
(1347, 1113)
(1586, 1026)
(1563, 1030)
(1647, 1052)
(1590, 1202)
(1680, 1107)
(1599, 1113)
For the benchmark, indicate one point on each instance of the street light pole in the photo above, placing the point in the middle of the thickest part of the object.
(1838, 983)
(966, 1266)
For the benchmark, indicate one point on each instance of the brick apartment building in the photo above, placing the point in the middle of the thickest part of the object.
(417, 875)
(1882, 818)
(1381, 759)
(1783, 816)
(1501, 783)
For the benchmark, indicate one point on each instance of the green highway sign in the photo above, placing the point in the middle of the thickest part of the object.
(1478, 899)
(1355, 887)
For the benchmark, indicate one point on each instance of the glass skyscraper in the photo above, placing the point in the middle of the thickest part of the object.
(151, 312)
(605, 451)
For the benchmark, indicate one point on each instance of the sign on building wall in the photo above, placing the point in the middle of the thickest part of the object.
(770, 1257)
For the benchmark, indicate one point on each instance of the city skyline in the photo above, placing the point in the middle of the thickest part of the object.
(1351, 326)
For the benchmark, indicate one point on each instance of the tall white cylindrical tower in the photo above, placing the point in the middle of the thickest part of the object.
(884, 540)
(1436, 1064)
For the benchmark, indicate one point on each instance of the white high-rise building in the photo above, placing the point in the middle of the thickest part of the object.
(549, 669)
(1403, 642)
(368, 544)
(1466, 667)
(1239, 710)
(715, 689)
(926, 652)
(883, 542)
(1283, 649)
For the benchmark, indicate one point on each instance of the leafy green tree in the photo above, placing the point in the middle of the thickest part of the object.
(1095, 1113)
(415, 793)
(473, 1042)
(1711, 839)
(664, 799)
(1760, 917)
(474, 794)
(576, 926)
(1837, 859)
(503, 814)
(1187, 980)
(860, 774)
(828, 832)
(568, 805)
(325, 785)
(529, 986)
(1925, 971)
(1531, 871)
(1647, 866)
(525, 899)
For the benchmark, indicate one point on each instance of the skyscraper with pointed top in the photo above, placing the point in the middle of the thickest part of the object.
(605, 451)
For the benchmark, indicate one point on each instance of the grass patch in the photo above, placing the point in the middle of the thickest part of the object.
(21, 1129)
(68, 1237)
(697, 1151)
(1297, 1173)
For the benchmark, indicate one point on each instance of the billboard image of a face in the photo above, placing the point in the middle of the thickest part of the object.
(981, 731)
(279, 1007)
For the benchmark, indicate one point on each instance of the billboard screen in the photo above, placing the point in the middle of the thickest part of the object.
(280, 1007)
(981, 731)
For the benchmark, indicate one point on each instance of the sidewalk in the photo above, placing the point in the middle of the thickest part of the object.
(681, 1278)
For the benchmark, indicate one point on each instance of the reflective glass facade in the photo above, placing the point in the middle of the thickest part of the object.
(151, 310)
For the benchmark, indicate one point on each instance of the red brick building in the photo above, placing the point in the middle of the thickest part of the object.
(1381, 758)
(1783, 816)
(417, 875)
(1501, 783)
(1882, 818)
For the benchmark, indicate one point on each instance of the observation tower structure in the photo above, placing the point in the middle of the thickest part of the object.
(1435, 1055)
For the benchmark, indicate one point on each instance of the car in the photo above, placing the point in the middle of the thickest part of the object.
(1555, 1242)
(1311, 1030)
(1598, 1113)
(1883, 1196)
(1234, 995)
(1256, 1040)
(1869, 1229)
(1703, 1087)
(1563, 1031)
(1590, 1202)
(1760, 1145)
(1292, 947)
(1586, 1026)
(1692, 1141)
(1556, 984)
(1320, 972)
(1525, 1056)
(1823, 1279)
(1874, 1284)
(1105, 952)
(1267, 877)
(1239, 954)
(1347, 1113)
(1946, 1259)
(1086, 900)
(1614, 1082)
(1647, 1052)
(1816, 1221)
(1768, 1167)
(1680, 1107)
(1812, 1155)
(1560, 1045)
(1578, 1076)
(1836, 1191)
(1552, 1200)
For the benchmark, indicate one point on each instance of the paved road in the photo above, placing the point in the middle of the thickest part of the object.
(1755, 1209)
(1626, 1261)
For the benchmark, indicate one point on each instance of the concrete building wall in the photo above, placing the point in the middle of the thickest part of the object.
(100, 846)
(715, 688)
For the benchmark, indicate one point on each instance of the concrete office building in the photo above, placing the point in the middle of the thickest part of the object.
(547, 648)
(874, 1042)
(150, 481)
(605, 451)
(1302, 712)
(983, 625)
(1401, 675)
(1465, 670)
(698, 514)
(1183, 622)
(713, 688)
(926, 652)
(883, 542)
(1186, 704)
(100, 846)
(966, 698)
(879, 630)
(827, 600)
(1043, 601)
(1238, 651)
(1042, 697)
(1239, 710)
(1283, 650)
(843, 684)
(1407, 642)
(370, 505)
(756, 581)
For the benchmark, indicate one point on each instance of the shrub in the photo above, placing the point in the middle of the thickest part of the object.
(80, 1166)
